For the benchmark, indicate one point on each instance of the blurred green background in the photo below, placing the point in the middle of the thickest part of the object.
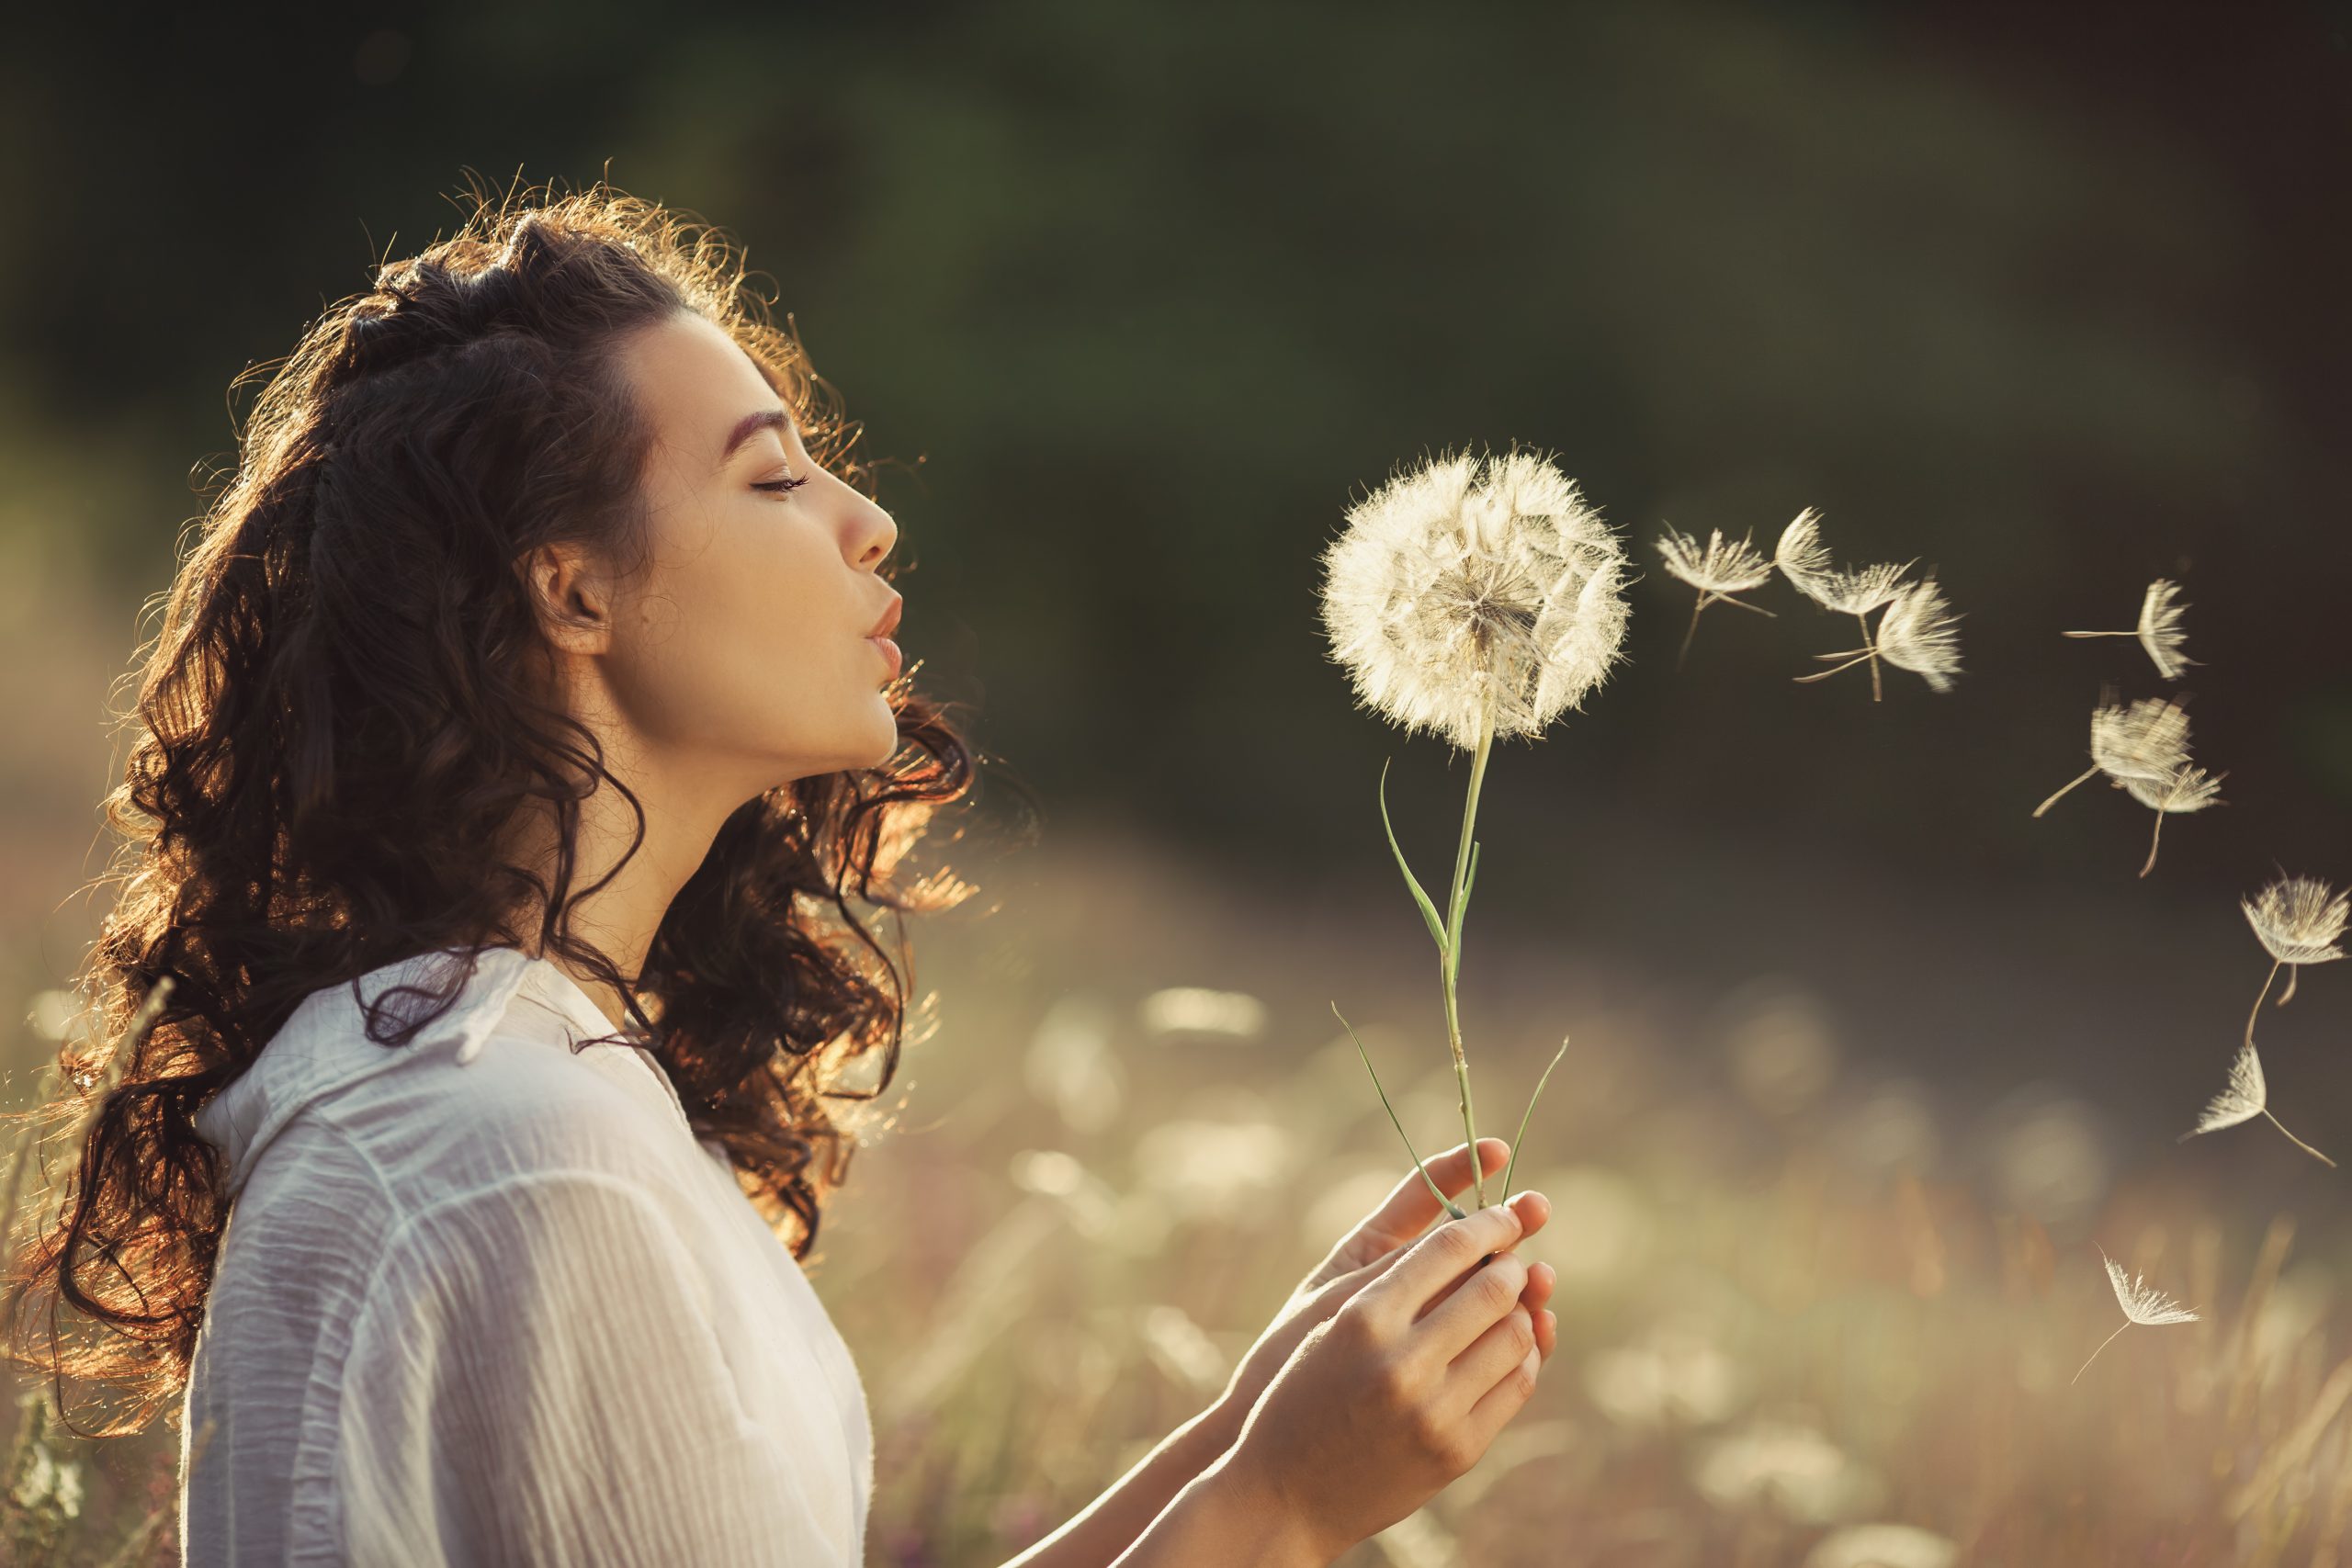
(2051, 298)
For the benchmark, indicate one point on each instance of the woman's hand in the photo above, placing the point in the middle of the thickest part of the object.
(1367, 1252)
(1395, 1396)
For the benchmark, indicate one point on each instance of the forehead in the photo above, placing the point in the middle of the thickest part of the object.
(694, 382)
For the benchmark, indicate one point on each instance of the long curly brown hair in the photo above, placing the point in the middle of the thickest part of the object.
(338, 726)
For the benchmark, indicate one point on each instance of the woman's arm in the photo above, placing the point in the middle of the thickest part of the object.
(1096, 1536)
(1183, 1506)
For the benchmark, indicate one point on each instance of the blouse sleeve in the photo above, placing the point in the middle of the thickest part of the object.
(534, 1377)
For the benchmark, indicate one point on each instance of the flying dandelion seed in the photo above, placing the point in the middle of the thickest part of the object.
(1916, 633)
(2189, 789)
(1473, 598)
(1718, 570)
(1803, 559)
(2298, 921)
(2159, 629)
(2246, 1097)
(2141, 1302)
(2148, 740)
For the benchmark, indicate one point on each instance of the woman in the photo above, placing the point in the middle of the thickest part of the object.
(518, 730)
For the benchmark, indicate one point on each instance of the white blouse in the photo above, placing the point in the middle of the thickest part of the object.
(481, 1299)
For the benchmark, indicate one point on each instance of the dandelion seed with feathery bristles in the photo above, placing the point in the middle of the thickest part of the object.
(2186, 788)
(1918, 633)
(1472, 598)
(2246, 1097)
(1803, 559)
(2297, 919)
(1717, 569)
(2159, 629)
(2141, 1302)
(2148, 740)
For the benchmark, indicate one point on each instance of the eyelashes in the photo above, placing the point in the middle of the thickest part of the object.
(781, 487)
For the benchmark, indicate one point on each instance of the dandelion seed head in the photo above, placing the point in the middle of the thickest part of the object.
(1918, 633)
(1803, 559)
(2246, 1097)
(2187, 788)
(2141, 1302)
(1464, 574)
(2298, 918)
(2160, 631)
(2147, 741)
(1801, 555)
(1720, 565)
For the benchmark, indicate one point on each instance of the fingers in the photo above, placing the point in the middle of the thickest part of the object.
(1410, 1206)
(1493, 1355)
(1434, 1262)
(1542, 1279)
(1496, 1406)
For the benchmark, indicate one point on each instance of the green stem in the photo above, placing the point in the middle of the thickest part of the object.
(1450, 961)
(1445, 1203)
(1516, 1143)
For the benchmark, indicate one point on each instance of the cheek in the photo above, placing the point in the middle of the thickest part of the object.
(726, 646)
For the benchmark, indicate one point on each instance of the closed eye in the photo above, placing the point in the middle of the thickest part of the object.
(781, 487)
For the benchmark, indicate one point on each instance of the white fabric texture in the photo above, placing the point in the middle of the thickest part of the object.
(484, 1301)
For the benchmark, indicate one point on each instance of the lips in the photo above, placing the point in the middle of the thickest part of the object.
(889, 621)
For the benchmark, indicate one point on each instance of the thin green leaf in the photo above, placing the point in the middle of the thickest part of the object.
(1444, 1200)
(1429, 910)
(1515, 1142)
(1461, 905)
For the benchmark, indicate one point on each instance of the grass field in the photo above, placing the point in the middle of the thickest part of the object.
(1810, 1313)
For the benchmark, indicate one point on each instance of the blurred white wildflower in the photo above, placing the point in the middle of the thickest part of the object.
(1472, 598)
(1674, 1375)
(1212, 1168)
(1803, 559)
(1196, 1010)
(50, 1483)
(2159, 629)
(1790, 1466)
(2247, 1096)
(2189, 788)
(2298, 921)
(1718, 570)
(1072, 1065)
(1601, 1230)
(2148, 740)
(54, 1013)
(1186, 1353)
(2141, 1302)
(1420, 1540)
(1883, 1546)
(2047, 1156)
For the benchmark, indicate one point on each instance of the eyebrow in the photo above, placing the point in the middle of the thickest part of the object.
(751, 424)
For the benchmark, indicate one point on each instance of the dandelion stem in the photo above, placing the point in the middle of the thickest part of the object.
(1444, 1202)
(2297, 1142)
(2098, 634)
(1744, 605)
(2293, 970)
(2054, 799)
(1450, 964)
(2250, 1016)
(2153, 841)
(1825, 674)
(1871, 643)
(2102, 1345)
(1691, 632)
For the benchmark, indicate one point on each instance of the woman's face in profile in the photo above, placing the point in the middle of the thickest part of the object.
(743, 645)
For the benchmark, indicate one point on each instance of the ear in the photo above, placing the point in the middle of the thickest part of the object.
(572, 595)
